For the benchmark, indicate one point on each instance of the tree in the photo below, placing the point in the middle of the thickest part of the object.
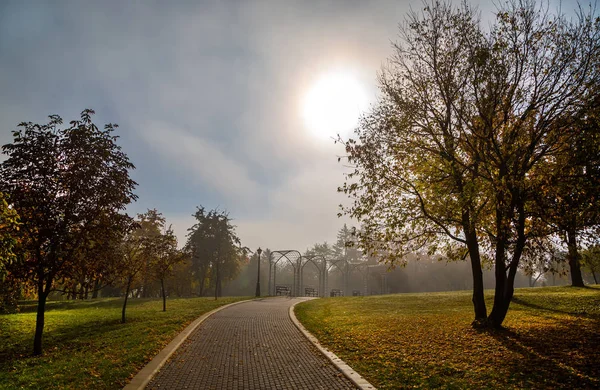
(414, 187)
(568, 199)
(591, 261)
(182, 283)
(9, 287)
(215, 247)
(165, 257)
(139, 246)
(9, 224)
(66, 184)
(448, 158)
(344, 247)
(323, 249)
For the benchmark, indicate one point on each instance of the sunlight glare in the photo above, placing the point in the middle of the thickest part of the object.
(333, 105)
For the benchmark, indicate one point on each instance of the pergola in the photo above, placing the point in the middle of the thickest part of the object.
(321, 264)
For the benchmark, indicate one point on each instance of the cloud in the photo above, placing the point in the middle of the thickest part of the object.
(207, 96)
(199, 161)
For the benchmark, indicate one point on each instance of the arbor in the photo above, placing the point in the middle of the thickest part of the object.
(448, 159)
(67, 185)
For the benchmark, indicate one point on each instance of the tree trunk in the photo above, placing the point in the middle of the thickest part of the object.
(164, 295)
(202, 281)
(125, 301)
(217, 282)
(41, 310)
(573, 258)
(96, 289)
(505, 284)
(478, 296)
(500, 307)
(594, 275)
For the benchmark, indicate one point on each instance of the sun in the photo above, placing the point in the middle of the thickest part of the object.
(333, 105)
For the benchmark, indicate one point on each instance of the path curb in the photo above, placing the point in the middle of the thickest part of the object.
(145, 375)
(345, 369)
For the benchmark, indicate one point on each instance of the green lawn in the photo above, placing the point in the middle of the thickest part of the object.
(86, 346)
(552, 339)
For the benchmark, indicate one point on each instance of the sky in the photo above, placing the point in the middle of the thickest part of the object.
(223, 104)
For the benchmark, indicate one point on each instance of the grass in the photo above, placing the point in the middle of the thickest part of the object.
(86, 346)
(551, 340)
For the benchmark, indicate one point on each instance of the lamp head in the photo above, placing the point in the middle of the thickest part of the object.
(259, 251)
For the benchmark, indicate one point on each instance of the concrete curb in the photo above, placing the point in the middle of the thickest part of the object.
(345, 369)
(145, 375)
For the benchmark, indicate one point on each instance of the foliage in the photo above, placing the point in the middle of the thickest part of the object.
(591, 261)
(215, 249)
(323, 249)
(68, 185)
(568, 196)
(139, 249)
(87, 346)
(450, 159)
(422, 340)
(9, 223)
(344, 247)
(9, 287)
(165, 256)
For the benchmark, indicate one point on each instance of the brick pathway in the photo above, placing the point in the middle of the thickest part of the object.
(252, 345)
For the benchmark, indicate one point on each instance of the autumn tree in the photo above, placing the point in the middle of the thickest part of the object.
(8, 228)
(445, 161)
(591, 261)
(66, 184)
(137, 250)
(414, 187)
(568, 199)
(9, 225)
(165, 256)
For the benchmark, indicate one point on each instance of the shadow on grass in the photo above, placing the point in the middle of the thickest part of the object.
(564, 356)
(588, 308)
(66, 337)
(31, 306)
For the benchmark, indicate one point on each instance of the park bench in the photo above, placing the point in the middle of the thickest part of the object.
(356, 293)
(282, 290)
(336, 293)
(310, 292)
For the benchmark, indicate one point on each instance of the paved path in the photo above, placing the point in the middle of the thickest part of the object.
(252, 345)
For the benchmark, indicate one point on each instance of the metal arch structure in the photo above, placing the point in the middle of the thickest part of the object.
(342, 266)
(320, 263)
(346, 268)
(323, 267)
(293, 257)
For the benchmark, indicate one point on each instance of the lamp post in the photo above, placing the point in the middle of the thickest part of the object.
(259, 251)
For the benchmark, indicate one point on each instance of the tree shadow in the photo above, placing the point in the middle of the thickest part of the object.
(31, 306)
(564, 356)
(68, 337)
(552, 309)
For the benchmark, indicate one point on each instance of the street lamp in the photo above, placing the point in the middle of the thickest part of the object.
(259, 251)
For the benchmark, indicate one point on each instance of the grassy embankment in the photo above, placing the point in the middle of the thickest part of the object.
(86, 346)
(552, 339)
